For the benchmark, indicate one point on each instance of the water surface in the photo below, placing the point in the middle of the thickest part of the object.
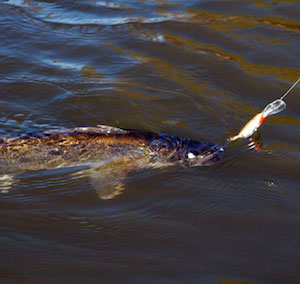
(197, 69)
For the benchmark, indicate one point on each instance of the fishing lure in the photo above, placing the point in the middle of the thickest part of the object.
(271, 109)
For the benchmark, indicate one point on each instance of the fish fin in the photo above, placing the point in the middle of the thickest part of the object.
(110, 130)
(108, 183)
(100, 129)
(107, 179)
(7, 182)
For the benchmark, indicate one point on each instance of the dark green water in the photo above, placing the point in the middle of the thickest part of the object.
(197, 69)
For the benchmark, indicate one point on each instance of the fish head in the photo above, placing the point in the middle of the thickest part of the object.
(201, 154)
(185, 152)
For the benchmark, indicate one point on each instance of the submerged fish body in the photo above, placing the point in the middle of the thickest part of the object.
(107, 151)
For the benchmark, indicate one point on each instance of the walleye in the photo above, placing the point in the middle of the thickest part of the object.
(109, 154)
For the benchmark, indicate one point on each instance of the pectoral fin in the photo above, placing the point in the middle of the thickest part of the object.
(107, 184)
(108, 179)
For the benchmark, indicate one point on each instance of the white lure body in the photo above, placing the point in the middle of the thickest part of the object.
(250, 127)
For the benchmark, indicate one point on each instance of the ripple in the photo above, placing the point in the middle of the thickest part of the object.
(196, 70)
(91, 15)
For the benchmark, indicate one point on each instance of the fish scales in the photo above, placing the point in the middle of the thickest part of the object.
(45, 150)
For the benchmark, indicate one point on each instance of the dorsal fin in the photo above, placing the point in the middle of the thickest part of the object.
(111, 129)
(102, 129)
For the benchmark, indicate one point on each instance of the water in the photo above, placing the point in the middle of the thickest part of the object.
(197, 69)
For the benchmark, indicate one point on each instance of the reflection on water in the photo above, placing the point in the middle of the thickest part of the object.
(197, 69)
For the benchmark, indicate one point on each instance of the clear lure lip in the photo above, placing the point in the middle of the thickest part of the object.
(274, 107)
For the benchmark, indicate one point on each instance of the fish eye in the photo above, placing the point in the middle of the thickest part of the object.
(191, 155)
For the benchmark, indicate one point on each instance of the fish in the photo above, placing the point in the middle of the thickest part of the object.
(108, 154)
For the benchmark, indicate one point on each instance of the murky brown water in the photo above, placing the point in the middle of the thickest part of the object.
(198, 69)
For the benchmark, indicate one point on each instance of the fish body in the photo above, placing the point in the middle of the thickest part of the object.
(113, 150)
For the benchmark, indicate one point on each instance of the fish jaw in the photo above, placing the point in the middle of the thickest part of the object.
(205, 158)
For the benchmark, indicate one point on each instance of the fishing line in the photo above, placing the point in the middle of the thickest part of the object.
(286, 93)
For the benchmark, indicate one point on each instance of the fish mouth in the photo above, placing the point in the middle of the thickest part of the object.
(213, 155)
(208, 158)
